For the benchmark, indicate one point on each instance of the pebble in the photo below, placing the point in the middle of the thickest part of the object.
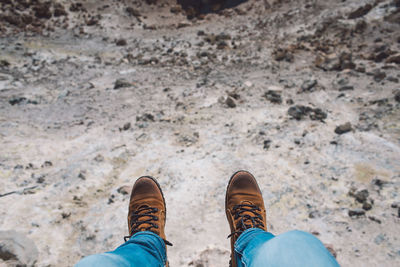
(273, 96)
(267, 144)
(360, 12)
(346, 88)
(379, 75)
(308, 85)
(367, 206)
(230, 102)
(120, 83)
(298, 112)
(397, 96)
(121, 42)
(124, 190)
(126, 127)
(362, 195)
(356, 212)
(343, 128)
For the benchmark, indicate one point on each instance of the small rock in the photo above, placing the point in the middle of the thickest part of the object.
(298, 112)
(359, 12)
(17, 249)
(367, 206)
(42, 10)
(132, 12)
(126, 127)
(344, 128)
(124, 190)
(82, 175)
(99, 158)
(17, 100)
(379, 75)
(394, 205)
(308, 85)
(397, 96)
(47, 164)
(392, 79)
(267, 144)
(145, 117)
(120, 83)
(394, 59)
(356, 212)
(273, 96)
(59, 10)
(230, 102)
(121, 42)
(361, 196)
(183, 24)
(372, 218)
(379, 239)
(281, 54)
(176, 9)
(346, 88)
(248, 84)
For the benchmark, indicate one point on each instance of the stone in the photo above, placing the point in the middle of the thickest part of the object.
(176, 9)
(273, 96)
(362, 195)
(17, 249)
(42, 10)
(308, 85)
(343, 128)
(230, 102)
(397, 96)
(267, 144)
(356, 212)
(145, 117)
(367, 206)
(394, 59)
(360, 12)
(374, 219)
(126, 126)
(132, 12)
(379, 239)
(281, 54)
(379, 75)
(346, 88)
(298, 112)
(121, 42)
(120, 83)
(124, 190)
(59, 10)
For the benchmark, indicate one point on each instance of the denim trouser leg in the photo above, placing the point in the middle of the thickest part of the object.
(142, 249)
(257, 248)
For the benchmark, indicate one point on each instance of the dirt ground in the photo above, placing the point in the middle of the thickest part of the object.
(304, 94)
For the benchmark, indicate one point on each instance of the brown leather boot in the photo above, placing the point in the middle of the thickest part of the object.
(147, 210)
(244, 206)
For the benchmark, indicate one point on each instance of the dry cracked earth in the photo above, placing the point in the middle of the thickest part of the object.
(93, 94)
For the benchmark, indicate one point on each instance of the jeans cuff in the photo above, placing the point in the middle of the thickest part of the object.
(152, 241)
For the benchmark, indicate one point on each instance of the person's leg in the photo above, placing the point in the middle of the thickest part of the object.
(146, 223)
(252, 245)
(142, 249)
(256, 248)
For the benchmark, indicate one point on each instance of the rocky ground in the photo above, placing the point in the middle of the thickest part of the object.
(93, 94)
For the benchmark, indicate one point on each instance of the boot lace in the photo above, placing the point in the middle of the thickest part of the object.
(137, 225)
(252, 218)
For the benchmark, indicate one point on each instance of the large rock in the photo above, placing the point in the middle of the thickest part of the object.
(16, 249)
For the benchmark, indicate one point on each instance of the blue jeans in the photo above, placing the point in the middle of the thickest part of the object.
(254, 247)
